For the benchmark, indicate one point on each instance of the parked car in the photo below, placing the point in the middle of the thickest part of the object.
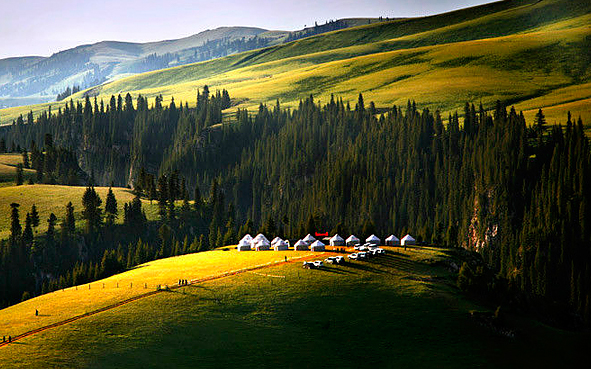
(331, 260)
(362, 255)
(363, 248)
(318, 263)
(339, 259)
(373, 252)
(381, 251)
(353, 256)
(356, 247)
(308, 265)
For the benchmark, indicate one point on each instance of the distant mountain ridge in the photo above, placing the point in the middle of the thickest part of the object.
(36, 79)
(91, 64)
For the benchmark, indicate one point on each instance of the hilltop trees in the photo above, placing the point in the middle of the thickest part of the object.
(92, 212)
(111, 207)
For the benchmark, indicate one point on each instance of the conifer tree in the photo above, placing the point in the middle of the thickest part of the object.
(111, 207)
(91, 211)
(19, 174)
(15, 225)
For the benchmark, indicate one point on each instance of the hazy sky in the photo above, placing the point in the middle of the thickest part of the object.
(43, 27)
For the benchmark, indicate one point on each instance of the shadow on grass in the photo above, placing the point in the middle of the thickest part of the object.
(363, 265)
(335, 270)
(396, 253)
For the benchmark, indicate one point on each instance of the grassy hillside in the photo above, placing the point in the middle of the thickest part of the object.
(8, 163)
(529, 53)
(397, 310)
(53, 198)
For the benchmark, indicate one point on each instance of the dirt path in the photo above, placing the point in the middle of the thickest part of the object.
(151, 293)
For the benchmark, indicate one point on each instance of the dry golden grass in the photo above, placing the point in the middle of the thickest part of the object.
(53, 199)
(63, 304)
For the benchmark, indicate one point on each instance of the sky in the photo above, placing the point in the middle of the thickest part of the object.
(44, 27)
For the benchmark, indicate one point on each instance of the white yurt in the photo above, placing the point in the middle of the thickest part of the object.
(280, 246)
(246, 238)
(337, 240)
(259, 237)
(275, 240)
(262, 245)
(300, 246)
(392, 241)
(408, 240)
(243, 245)
(373, 239)
(352, 240)
(317, 246)
(309, 239)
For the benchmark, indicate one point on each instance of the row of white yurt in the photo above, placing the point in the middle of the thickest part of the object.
(260, 242)
(374, 240)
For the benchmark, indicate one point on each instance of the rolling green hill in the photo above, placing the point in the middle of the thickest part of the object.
(53, 199)
(533, 54)
(399, 310)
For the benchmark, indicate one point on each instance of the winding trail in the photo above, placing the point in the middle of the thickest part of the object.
(152, 293)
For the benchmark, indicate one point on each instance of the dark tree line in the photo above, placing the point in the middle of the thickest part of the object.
(67, 92)
(112, 141)
(486, 182)
(32, 262)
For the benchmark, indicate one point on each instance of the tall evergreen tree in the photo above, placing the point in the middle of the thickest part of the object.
(111, 207)
(91, 211)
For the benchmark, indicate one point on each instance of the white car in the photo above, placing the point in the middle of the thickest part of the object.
(356, 247)
(339, 259)
(362, 255)
(331, 259)
(362, 248)
(318, 263)
(308, 265)
(381, 251)
(353, 256)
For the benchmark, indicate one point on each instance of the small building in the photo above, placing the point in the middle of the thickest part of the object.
(243, 245)
(408, 240)
(300, 246)
(392, 241)
(262, 245)
(373, 239)
(280, 246)
(352, 240)
(275, 240)
(247, 238)
(317, 246)
(259, 237)
(309, 239)
(337, 240)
